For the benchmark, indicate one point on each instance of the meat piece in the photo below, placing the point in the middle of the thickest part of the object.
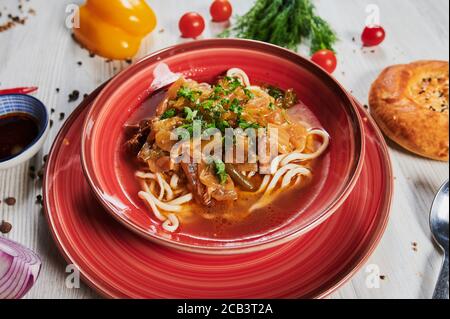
(150, 153)
(164, 140)
(145, 153)
(165, 164)
(224, 192)
(139, 134)
(162, 132)
(218, 191)
(162, 165)
(196, 187)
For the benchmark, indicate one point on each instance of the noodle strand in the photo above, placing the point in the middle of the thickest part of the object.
(171, 224)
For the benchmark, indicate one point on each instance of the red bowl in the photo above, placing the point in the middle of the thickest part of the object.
(109, 173)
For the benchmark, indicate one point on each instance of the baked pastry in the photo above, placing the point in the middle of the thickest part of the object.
(410, 104)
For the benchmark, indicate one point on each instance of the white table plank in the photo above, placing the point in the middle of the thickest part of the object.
(42, 53)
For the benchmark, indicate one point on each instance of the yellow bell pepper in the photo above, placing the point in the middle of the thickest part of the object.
(114, 29)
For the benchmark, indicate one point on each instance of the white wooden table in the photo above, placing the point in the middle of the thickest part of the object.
(42, 53)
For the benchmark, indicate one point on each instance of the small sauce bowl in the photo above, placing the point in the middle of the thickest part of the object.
(16, 106)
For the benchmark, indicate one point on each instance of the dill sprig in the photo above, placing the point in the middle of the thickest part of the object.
(285, 23)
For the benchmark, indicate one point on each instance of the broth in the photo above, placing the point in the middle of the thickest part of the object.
(17, 131)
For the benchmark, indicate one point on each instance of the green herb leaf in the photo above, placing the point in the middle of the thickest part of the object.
(207, 105)
(249, 94)
(188, 94)
(224, 102)
(322, 37)
(222, 125)
(236, 107)
(168, 114)
(209, 125)
(245, 125)
(190, 115)
(220, 170)
(218, 92)
(233, 84)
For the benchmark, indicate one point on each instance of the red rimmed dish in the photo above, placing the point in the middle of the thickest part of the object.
(114, 183)
(120, 264)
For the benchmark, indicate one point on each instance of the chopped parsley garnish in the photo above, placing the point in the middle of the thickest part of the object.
(224, 102)
(218, 92)
(220, 170)
(222, 109)
(190, 115)
(168, 114)
(233, 84)
(207, 105)
(236, 107)
(218, 89)
(245, 125)
(222, 125)
(188, 94)
(207, 126)
(249, 94)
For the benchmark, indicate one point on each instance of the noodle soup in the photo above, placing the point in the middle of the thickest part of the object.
(213, 196)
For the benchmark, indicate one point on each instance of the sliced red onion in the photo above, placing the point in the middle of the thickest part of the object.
(19, 269)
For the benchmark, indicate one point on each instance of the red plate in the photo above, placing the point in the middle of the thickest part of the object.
(108, 170)
(120, 264)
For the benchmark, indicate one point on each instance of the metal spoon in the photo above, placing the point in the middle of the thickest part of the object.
(439, 228)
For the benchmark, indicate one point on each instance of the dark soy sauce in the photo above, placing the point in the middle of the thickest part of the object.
(17, 131)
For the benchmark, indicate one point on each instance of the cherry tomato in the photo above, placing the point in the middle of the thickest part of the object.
(373, 36)
(326, 59)
(221, 10)
(191, 25)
